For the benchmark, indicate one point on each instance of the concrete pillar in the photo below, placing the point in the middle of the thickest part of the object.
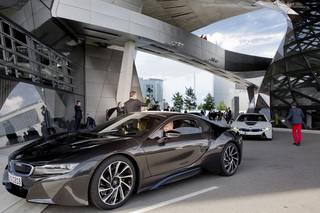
(235, 107)
(125, 79)
(251, 93)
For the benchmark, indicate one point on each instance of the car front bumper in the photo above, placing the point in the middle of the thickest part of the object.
(68, 189)
(260, 133)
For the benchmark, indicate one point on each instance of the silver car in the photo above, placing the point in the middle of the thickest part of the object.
(253, 125)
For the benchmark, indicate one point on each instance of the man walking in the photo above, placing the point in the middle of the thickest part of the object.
(295, 117)
(134, 105)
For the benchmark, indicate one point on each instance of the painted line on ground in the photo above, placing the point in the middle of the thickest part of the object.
(174, 200)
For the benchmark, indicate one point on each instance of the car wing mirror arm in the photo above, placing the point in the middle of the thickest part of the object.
(162, 141)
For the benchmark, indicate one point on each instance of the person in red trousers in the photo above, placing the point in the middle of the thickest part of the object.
(295, 117)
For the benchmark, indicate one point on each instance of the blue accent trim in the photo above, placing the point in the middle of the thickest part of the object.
(170, 177)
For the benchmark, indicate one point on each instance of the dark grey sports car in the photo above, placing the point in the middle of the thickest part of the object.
(131, 153)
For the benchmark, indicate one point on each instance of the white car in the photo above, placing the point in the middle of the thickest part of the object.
(253, 124)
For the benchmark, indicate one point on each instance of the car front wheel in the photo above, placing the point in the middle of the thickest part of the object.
(229, 159)
(112, 183)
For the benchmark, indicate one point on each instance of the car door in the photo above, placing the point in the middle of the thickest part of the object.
(175, 152)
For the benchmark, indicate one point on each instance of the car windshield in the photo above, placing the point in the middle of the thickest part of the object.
(135, 124)
(244, 118)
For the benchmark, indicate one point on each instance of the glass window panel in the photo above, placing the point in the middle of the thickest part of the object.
(292, 49)
(28, 112)
(278, 67)
(313, 58)
(19, 36)
(296, 63)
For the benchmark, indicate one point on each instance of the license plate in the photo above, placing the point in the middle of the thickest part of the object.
(15, 179)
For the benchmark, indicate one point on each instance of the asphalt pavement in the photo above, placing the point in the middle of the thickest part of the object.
(275, 176)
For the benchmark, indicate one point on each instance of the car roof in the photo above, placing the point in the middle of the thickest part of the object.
(166, 114)
(251, 113)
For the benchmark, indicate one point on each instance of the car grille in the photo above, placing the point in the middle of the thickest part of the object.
(18, 168)
(251, 130)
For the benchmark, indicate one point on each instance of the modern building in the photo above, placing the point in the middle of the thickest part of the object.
(154, 89)
(294, 73)
(56, 52)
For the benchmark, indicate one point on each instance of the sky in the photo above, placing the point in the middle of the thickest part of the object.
(257, 33)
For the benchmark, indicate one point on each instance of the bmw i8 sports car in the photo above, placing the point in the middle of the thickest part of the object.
(129, 154)
(253, 125)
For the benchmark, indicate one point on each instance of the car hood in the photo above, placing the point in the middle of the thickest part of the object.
(250, 124)
(60, 145)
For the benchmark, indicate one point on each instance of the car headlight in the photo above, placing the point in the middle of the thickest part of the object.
(236, 128)
(265, 129)
(54, 169)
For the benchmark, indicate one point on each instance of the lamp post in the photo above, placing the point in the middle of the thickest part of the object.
(164, 104)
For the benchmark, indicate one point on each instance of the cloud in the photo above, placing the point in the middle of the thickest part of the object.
(11, 104)
(257, 33)
(255, 44)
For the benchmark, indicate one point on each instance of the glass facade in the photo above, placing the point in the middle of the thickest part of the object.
(294, 73)
(41, 73)
(30, 111)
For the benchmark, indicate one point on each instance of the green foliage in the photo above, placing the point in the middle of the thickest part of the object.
(221, 106)
(190, 99)
(200, 107)
(177, 101)
(208, 102)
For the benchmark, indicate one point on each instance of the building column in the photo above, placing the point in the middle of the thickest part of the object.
(251, 93)
(126, 71)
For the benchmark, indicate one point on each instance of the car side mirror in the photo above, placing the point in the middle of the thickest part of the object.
(169, 134)
(173, 134)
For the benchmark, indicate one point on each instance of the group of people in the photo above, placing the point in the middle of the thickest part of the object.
(132, 105)
(227, 115)
(295, 116)
(204, 37)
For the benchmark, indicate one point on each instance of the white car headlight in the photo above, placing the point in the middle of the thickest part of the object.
(54, 169)
(265, 129)
(236, 128)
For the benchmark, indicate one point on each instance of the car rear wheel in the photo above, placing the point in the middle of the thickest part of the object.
(112, 183)
(229, 159)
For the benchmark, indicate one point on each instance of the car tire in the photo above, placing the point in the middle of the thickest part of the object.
(230, 158)
(112, 183)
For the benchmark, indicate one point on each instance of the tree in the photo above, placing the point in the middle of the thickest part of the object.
(208, 102)
(190, 99)
(222, 106)
(177, 101)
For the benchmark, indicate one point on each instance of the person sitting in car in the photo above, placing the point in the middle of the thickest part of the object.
(168, 127)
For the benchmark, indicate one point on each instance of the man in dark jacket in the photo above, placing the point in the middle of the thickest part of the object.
(134, 105)
(78, 115)
(120, 110)
(295, 117)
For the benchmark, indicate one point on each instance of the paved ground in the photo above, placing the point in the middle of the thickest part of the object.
(275, 176)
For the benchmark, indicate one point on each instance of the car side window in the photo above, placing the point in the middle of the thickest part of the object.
(187, 126)
(204, 126)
